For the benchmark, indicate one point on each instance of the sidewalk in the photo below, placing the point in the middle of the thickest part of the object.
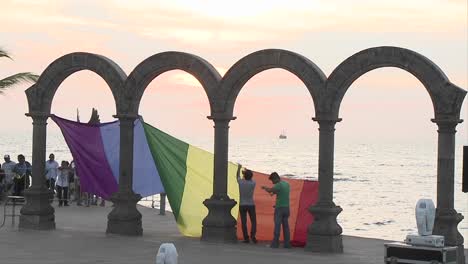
(80, 238)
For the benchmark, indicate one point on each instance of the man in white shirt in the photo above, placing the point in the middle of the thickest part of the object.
(7, 167)
(51, 170)
(62, 183)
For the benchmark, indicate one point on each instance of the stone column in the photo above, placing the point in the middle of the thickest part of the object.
(447, 218)
(125, 219)
(219, 225)
(324, 234)
(37, 213)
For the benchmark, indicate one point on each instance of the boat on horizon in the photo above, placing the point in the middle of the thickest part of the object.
(283, 135)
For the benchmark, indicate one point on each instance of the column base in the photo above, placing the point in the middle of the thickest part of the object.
(125, 219)
(324, 234)
(219, 225)
(37, 213)
(330, 244)
(445, 224)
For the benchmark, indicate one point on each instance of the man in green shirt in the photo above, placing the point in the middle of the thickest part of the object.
(281, 189)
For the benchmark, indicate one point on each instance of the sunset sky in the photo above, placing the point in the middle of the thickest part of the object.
(385, 104)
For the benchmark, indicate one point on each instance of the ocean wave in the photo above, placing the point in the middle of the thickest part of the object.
(381, 223)
(348, 180)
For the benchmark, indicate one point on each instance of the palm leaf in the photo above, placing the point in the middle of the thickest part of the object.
(17, 78)
(3, 53)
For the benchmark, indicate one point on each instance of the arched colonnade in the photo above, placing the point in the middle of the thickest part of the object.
(327, 95)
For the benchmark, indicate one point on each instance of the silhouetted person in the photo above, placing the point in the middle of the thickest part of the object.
(247, 204)
(281, 189)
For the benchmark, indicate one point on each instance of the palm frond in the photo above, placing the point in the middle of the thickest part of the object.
(3, 53)
(18, 78)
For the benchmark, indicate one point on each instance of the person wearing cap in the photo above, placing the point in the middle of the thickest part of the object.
(7, 167)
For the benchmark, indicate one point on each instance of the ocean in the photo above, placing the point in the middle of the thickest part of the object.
(376, 184)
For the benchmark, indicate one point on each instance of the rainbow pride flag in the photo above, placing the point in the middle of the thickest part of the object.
(163, 163)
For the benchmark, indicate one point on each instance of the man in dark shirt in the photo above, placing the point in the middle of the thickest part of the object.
(23, 171)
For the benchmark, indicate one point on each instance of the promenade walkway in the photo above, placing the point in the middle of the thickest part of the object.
(80, 238)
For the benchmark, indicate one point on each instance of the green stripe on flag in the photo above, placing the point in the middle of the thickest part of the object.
(187, 175)
(170, 156)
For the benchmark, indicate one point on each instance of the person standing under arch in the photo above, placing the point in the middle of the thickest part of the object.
(51, 170)
(247, 204)
(281, 189)
(62, 183)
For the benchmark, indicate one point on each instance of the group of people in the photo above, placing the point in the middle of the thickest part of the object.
(58, 178)
(61, 179)
(14, 177)
(247, 206)
(65, 181)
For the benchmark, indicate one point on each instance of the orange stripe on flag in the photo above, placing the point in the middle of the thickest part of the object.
(264, 203)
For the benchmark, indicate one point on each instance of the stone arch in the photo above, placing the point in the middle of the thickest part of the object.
(215, 227)
(247, 67)
(446, 97)
(41, 94)
(447, 100)
(160, 63)
(37, 213)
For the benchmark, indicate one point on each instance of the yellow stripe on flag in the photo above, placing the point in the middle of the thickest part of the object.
(198, 187)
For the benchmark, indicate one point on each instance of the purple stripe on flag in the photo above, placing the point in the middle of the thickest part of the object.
(87, 149)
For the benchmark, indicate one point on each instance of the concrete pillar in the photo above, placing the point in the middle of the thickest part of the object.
(125, 219)
(219, 225)
(324, 234)
(447, 218)
(37, 213)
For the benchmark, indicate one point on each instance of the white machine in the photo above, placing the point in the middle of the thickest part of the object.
(167, 254)
(425, 216)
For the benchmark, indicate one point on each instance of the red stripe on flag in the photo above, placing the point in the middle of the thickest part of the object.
(309, 196)
(264, 203)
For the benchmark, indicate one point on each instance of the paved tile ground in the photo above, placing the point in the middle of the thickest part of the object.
(80, 238)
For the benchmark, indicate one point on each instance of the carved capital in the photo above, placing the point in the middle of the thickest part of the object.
(326, 124)
(221, 117)
(447, 125)
(39, 118)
